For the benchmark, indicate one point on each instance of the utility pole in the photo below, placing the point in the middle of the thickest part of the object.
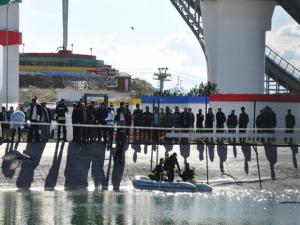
(162, 76)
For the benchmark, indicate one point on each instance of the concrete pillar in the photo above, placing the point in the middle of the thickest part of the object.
(10, 38)
(234, 33)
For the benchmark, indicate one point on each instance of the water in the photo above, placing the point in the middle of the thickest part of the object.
(139, 207)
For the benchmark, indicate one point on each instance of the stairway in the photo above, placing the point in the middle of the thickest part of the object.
(281, 71)
(276, 68)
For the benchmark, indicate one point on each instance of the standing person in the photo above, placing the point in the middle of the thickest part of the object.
(128, 120)
(61, 110)
(176, 119)
(82, 121)
(46, 118)
(17, 120)
(169, 166)
(185, 119)
(243, 120)
(221, 119)
(191, 119)
(168, 121)
(200, 119)
(290, 122)
(137, 122)
(209, 120)
(147, 122)
(35, 115)
(110, 122)
(155, 123)
(101, 114)
(91, 116)
(162, 117)
(232, 122)
(269, 120)
(4, 119)
(75, 122)
(121, 134)
(259, 121)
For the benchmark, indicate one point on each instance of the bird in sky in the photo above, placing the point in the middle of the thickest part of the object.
(132, 28)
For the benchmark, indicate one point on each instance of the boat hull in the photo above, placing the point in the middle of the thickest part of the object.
(144, 183)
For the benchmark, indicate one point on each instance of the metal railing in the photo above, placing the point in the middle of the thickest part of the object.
(284, 64)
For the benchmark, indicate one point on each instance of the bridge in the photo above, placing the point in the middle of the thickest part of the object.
(280, 75)
(219, 29)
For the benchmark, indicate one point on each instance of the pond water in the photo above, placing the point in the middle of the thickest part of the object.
(140, 207)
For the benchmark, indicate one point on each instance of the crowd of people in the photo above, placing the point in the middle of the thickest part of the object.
(95, 122)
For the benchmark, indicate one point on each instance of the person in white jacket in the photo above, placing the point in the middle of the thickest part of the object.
(17, 120)
(110, 122)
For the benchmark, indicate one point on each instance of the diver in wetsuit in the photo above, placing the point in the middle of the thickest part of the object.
(169, 166)
(157, 173)
(188, 174)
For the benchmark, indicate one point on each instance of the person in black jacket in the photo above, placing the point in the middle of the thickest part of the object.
(269, 120)
(221, 119)
(35, 116)
(91, 116)
(232, 122)
(209, 120)
(147, 122)
(5, 118)
(46, 118)
(61, 110)
(200, 119)
(290, 122)
(191, 119)
(137, 122)
(243, 120)
(101, 114)
(259, 122)
(128, 120)
(75, 122)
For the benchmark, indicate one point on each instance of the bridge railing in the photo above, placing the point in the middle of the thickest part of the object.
(284, 64)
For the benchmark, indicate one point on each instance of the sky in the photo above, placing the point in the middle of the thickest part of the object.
(160, 37)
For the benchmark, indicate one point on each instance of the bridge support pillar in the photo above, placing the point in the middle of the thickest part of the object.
(234, 33)
(10, 39)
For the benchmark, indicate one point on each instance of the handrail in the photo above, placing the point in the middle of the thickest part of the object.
(283, 63)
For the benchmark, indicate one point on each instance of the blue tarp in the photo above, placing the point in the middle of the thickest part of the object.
(175, 99)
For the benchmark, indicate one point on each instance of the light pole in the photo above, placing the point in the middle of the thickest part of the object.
(6, 83)
(23, 47)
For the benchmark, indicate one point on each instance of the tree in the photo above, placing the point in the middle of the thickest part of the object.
(204, 89)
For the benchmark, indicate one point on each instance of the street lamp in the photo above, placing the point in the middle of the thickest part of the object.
(91, 49)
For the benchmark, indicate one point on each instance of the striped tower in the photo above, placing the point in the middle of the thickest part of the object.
(10, 39)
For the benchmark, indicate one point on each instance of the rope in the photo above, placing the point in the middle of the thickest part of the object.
(238, 182)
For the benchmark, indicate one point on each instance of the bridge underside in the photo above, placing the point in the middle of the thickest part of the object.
(281, 76)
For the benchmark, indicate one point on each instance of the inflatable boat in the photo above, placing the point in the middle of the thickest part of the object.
(145, 183)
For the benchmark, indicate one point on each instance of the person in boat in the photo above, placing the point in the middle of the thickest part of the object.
(158, 173)
(188, 174)
(169, 166)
